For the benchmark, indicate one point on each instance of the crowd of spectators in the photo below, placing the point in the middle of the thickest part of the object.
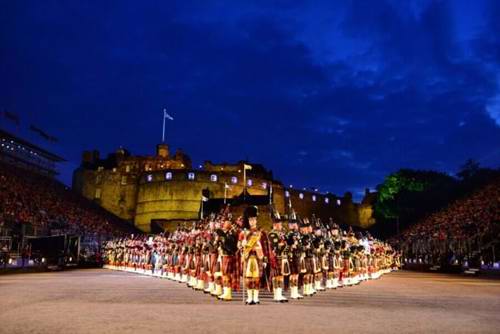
(464, 232)
(44, 204)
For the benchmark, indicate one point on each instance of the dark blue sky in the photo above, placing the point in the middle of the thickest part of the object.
(333, 95)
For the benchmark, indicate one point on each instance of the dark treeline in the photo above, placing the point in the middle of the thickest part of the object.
(407, 196)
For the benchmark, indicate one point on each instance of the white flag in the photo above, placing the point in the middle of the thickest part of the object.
(165, 115)
(226, 185)
(247, 167)
(204, 199)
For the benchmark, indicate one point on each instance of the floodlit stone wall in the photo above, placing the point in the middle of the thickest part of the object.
(166, 189)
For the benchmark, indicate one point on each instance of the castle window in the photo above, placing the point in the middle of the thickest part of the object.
(191, 176)
(213, 178)
(114, 170)
(338, 202)
(100, 168)
(98, 178)
(301, 196)
(249, 182)
(123, 180)
(127, 169)
(314, 198)
(168, 176)
(327, 200)
(234, 180)
(287, 193)
(149, 177)
(264, 185)
(97, 194)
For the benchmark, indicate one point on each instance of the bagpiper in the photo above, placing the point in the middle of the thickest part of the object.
(217, 268)
(278, 259)
(307, 259)
(230, 272)
(320, 263)
(345, 252)
(253, 256)
(294, 257)
(209, 257)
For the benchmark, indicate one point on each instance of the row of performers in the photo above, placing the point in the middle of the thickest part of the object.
(213, 258)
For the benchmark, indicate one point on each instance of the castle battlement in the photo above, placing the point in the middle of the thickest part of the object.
(145, 189)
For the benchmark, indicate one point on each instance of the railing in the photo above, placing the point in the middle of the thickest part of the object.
(477, 250)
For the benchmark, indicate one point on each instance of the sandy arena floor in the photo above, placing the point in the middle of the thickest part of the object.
(104, 301)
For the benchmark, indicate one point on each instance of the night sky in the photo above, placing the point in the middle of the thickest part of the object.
(333, 95)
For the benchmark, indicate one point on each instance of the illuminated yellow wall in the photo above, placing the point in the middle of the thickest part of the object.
(138, 199)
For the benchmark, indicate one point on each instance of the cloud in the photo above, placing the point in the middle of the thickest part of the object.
(357, 89)
(493, 109)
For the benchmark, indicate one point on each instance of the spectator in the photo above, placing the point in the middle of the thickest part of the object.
(5, 254)
(48, 205)
(456, 234)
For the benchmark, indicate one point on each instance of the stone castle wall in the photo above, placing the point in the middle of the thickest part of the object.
(107, 190)
(179, 198)
(139, 195)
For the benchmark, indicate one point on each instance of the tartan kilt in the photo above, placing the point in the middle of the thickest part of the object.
(198, 265)
(213, 260)
(228, 264)
(294, 263)
(346, 266)
(206, 263)
(316, 265)
(181, 260)
(217, 268)
(230, 268)
(356, 266)
(308, 265)
(331, 264)
(192, 262)
(253, 267)
(281, 267)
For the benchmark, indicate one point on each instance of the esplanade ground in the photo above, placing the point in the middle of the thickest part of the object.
(104, 301)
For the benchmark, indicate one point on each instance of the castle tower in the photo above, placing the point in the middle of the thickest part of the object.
(162, 150)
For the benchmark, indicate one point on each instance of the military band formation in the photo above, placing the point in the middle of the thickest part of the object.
(220, 255)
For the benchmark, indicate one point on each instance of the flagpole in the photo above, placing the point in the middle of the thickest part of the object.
(244, 182)
(201, 213)
(225, 192)
(163, 133)
(245, 167)
(271, 192)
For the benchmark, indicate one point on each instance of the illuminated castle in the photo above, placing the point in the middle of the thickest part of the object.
(165, 189)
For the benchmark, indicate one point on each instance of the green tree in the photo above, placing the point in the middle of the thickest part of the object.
(407, 195)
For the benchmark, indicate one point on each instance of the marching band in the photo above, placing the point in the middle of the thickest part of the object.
(220, 255)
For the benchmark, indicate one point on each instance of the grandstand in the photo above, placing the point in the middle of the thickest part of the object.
(462, 236)
(34, 204)
(20, 153)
